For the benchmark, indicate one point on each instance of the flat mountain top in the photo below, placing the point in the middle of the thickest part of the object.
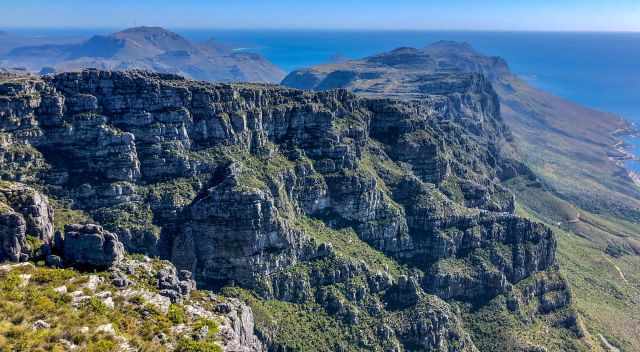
(581, 137)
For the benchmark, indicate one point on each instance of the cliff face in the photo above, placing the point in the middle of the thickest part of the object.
(371, 213)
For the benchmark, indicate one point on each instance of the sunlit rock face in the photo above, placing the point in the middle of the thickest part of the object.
(375, 210)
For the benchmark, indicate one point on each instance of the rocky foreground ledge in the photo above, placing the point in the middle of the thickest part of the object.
(383, 224)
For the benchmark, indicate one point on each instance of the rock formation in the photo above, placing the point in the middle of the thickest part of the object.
(370, 213)
(555, 136)
(90, 246)
(23, 212)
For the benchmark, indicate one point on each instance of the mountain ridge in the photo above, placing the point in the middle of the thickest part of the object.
(149, 48)
(582, 189)
(536, 117)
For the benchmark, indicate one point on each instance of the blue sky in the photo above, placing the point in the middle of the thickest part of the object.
(591, 15)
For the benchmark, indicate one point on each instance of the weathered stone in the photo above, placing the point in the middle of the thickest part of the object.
(53, 261)
(91, 246)
(23, 211)
(40, 324)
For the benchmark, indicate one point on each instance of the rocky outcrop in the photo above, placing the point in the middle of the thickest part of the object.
(545, 127)
(235, 235)
(12, 230)
(175, 285)
(430, 326)
(201, 322)
(90, 246)
(23, 212)
(238, 327)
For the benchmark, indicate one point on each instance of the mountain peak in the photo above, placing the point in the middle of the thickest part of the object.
(149, 48)
(405, 50)
(147, 30)
(452, 46)
(156, 36)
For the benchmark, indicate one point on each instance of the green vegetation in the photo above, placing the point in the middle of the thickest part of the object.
(258, 172)
(348, 245)
(132, 216)
(296, 326)
(34, 244)
(63, 215)
(29, 294)
(176, 314)
(604, 287)
(177, 192)
(494, 328)
(187, 344)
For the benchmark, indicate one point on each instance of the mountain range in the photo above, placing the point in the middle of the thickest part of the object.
(147, 48)
(415, 200)
(586, 193)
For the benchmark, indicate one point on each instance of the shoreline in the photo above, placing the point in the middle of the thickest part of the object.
(625, 150)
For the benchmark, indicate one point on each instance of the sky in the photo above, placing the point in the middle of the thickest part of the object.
(536, 15)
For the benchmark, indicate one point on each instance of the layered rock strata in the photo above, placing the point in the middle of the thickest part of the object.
(372, 210)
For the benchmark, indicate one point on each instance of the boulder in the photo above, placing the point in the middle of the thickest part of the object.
(175, 286)
(53, 261)
(91, 246)
(12, 235)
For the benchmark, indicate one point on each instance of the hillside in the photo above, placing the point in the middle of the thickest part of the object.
(380, 223)
(148, 48)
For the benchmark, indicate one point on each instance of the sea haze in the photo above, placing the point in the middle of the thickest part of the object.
(599, 70)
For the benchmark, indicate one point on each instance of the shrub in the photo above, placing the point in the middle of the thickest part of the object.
(189, 345)
(210, 324)
(46, 275)
(96, 306)
(101, 345)
(176, 314)
(34, 244)
(42, 305)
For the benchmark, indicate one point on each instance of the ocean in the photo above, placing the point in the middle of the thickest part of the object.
(598, 70)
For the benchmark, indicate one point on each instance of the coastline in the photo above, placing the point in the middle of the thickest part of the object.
(624, 151)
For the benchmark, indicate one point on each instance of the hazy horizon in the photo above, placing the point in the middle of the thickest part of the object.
(459, 15)
(310, 29)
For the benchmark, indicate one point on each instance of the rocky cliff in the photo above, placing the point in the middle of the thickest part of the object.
(385, 222)
(571, 147)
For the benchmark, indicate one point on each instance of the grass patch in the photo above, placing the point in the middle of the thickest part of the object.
(347, 244)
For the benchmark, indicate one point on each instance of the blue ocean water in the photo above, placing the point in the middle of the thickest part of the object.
(599, 70)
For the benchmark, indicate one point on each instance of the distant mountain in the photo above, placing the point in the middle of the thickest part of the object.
(149, 48)
(10, 41)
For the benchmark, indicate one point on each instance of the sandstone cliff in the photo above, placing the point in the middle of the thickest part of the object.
(379, 218)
